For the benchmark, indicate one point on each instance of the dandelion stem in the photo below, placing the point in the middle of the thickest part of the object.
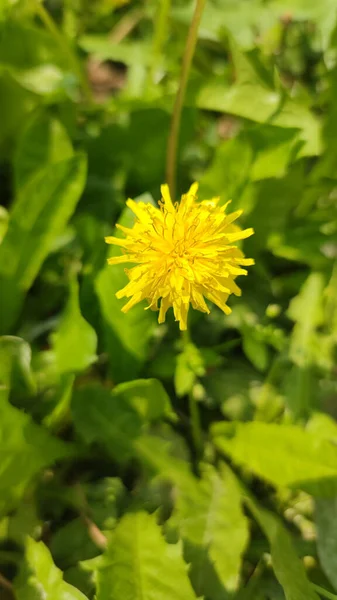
(195, 425)
(64, 45)
(179, 101)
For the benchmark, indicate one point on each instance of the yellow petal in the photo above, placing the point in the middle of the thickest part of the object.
(117, 260)
(240, 235)
(117, 241)
(165, 192)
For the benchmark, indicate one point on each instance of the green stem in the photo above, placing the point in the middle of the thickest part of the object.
(179, 101)
(159, 37)
(195, 425)
(63, 43)
(324, 592)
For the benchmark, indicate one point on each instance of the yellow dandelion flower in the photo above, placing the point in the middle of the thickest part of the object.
(184, 253)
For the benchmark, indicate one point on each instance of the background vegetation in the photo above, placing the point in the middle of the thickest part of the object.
(108, 488)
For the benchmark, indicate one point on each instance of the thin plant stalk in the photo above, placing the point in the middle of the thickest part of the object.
(63, 43)
(196, 429)
(195, 425)
(171, 162)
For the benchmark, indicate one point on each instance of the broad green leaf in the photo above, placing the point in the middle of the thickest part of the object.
(326, 523)
(25, 449)
(127, 335)
(39, 214)
(287, 566)
(210, 520)
(252, 98)
(40, 579)
(108, 420)
(140, 565)
(75, 341)
(43, 141)
(147, 396)
(284, 455)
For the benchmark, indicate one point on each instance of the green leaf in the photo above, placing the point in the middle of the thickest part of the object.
(323, 426)
(15, 368)
(15, 106)
(40, 579)
(326, 523)
(62, 394)
(75, 341)
(237, 155)
(211, 523)
(72, 542)
(43, 141)
(323, 14)
(4, 216)
(254, 348)
(284, 455)
(101, 417)
(190, 366)
(45, 80)
(24, 47)
(25, 450)
(39, 214)
(147, 396)
(140, 565)
(306, 310)
(102, 48)
(127, 335)
(288, 568)
(165, 458)
(254, 99)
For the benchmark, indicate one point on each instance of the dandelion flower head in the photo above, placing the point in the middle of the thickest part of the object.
(183, 253)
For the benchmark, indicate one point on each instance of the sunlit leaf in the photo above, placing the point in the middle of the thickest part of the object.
(211, 522)
(39, 578)
(75, 341)
(140, 564)
(284, 455)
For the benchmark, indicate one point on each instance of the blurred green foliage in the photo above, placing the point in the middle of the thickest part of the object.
(106, 492)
